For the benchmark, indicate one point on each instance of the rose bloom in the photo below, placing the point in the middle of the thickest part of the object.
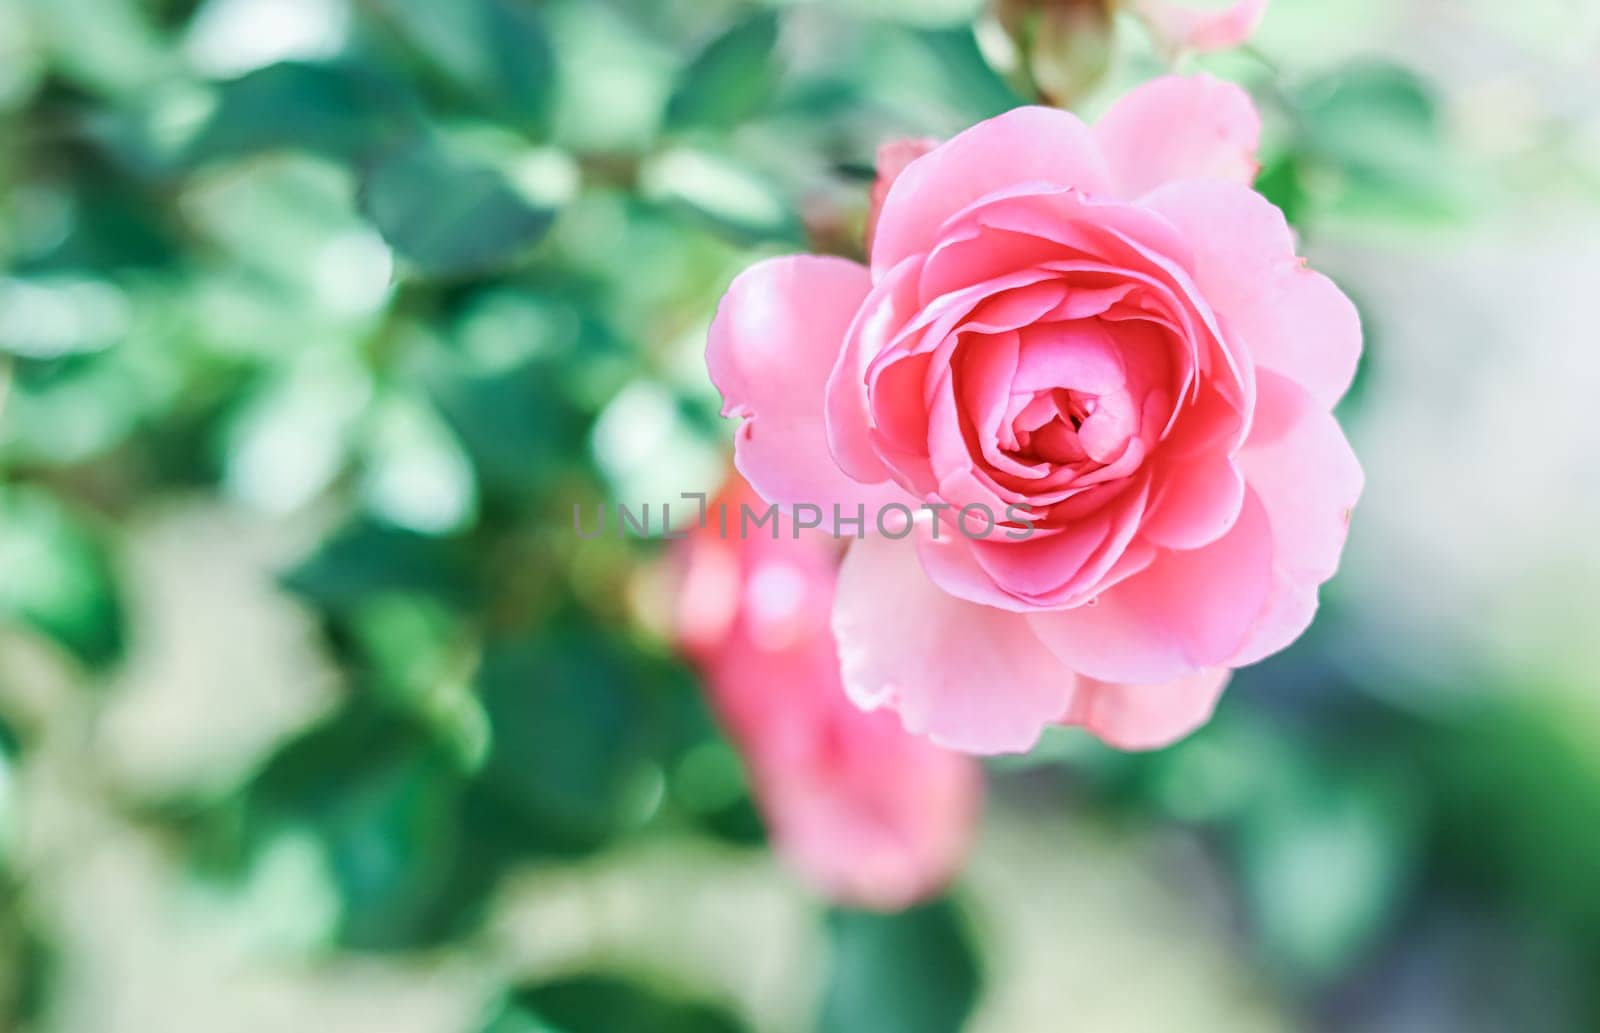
(1107, 326)
(1177, 26)
(864, 812)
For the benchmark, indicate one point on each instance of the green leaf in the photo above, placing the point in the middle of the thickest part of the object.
(8, 751)
(109, 46)
(1353, 102)
(914, 972)
(378, 799)
(516, 424)
(448, 218)
(366, 562)
(1376, 132)
(58, 578)
(416, 474)
(113, 223)
(965, 80)
(1282, 181)
(498, 51)
(339, 110)
(607, 1004)
(709, 784)
(415, 653)
(28, 964)
(725, 194)
(730, 80)
(570, 742)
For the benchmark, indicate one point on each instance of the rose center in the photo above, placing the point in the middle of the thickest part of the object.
(1047, 428)
(1072, 401)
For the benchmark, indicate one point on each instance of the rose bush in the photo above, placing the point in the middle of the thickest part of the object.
(1106, 325)
(866, 813)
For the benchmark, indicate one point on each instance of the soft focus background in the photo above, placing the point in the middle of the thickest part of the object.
(318, 316)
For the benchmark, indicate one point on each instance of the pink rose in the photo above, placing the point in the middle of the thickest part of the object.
(1179, 26)
(1107, 326)
(869, 815)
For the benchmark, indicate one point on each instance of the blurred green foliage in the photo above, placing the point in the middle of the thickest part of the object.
(891, 973)
(606, 1004)
(436, 272)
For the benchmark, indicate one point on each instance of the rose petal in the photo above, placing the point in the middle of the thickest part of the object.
(1187, 611)
(1065, 567)
(1291, 320)
(969, 677)
(1178, 128)
(1147, 717)
(893, 157)
(1025, 144)
(884, 312)
(776, 336)
(1300, 465)
(1194, 502)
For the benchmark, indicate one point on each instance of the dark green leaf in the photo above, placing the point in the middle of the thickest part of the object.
(340, 110)
(914, 972)
(569, 743)
(607, 1004)
(446, 217)
(380, 801)
(366, 561)
(731, 79)
(496, 50)
(117, 224)
(516, 425)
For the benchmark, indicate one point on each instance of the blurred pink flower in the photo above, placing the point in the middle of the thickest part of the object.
(1106, 326)
(1180, 26)
(867, 814)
